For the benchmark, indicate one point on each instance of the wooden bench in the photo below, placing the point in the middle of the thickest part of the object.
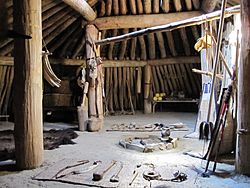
(154, 103)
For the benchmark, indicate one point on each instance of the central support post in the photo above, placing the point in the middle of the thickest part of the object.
(28, 84)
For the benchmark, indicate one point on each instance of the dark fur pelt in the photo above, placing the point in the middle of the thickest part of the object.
(52, 139)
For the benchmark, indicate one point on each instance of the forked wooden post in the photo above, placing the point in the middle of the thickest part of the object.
(243, 136)
(28, 84)
(91, 35)
(147, 88)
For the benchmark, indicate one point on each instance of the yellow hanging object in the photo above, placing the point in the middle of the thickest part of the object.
(203, 43)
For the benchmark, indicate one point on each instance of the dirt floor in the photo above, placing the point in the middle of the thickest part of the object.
(104, 145)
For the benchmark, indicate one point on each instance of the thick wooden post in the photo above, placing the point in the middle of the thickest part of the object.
(91, 36)
(243, 136)
(28, 84)
(147, 87)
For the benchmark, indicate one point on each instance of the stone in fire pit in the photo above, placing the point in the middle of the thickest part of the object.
(148, 143)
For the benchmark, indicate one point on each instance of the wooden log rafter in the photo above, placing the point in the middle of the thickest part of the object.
(83, 8)
(108, 7)
(79, 47)
(47, 14)
(133, 47)
(175, 25)
(143, 48)
(151, 45)
(8, 61)
(59, 30)
(66, 45)
(165, 6)
(123, 46)
(185, 42)
(141, 21)
(116, 7)
(160, 41)
(61, 15)
(65, 39)
(147, 6)
(196, 4)
(123, 7)
(111, 45)
(177, 5)
(139, 6)
(49, 4)
(132, 5)
(208, 5)
(189, 4)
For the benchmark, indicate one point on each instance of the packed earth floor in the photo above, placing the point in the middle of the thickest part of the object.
(104, 145)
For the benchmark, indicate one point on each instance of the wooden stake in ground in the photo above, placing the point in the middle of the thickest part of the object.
(28, 84)
(147, 87)
(243, 140)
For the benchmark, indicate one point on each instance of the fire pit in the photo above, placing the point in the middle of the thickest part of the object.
(149, 143)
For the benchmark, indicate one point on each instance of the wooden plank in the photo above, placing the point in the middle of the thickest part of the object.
(142, 21)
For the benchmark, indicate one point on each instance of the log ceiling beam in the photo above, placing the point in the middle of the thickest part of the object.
(142, 21)
(8, 61)
(197, 20)
(83, 8)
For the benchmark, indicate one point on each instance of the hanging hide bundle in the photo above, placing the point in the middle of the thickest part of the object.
(92, 68)
(48, 73)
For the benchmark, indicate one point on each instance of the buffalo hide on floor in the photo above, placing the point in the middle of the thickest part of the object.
(52, 139)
